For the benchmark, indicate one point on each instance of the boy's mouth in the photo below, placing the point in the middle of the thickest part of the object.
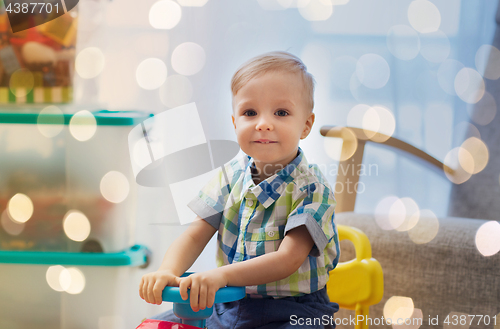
(264, 141)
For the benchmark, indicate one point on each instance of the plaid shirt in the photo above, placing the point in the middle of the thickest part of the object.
(252, 220)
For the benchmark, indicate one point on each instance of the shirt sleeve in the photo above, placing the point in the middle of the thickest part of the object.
(314, 207)
(210, 202)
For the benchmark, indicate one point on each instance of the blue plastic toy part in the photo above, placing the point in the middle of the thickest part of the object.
(183, 310)
(102, 117)
(135, 256)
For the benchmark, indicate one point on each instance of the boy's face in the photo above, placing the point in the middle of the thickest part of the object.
(270, 116)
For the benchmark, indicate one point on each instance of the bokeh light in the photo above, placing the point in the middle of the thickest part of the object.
(20, 208)
(424, 16)
(343, 68)
(176, 91)
(53, 276)
(397, 214)
(356, 115)
(446, 74)
(488, 238)
(473, 155)
(165, 14)
(76, 225)
(21, 82)
(11, 226)
(411, 214)
(403, 42)
(426, 228)
(373, 71)
(398, 307)
(371, 122)
(488, 62)
(50, 121)
(413, 322)
(469, 85)
(378, 123)
(342, 148)
(188, 58)
(435, 46)
(484, 111)
(315, 10)
(83, 125)
(192, 3)
(72, 280)
(114, 187)
(151, 73)
(89, 63)
(451, 161)
(388, 213)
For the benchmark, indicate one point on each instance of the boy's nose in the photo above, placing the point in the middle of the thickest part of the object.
(264, 124)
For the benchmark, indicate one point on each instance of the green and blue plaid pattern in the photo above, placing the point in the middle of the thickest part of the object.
(252, 220)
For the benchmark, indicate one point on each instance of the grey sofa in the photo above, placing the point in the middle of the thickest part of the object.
(446, 275)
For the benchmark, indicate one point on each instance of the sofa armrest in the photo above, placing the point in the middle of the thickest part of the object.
(354, 140)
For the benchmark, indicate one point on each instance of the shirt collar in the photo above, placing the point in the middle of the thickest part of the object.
(270, 189)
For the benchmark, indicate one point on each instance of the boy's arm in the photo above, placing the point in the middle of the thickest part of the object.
(183, 252)
(273, 266)
(179, 257)
(270, 267)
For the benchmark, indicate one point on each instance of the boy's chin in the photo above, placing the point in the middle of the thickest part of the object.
(270, 155)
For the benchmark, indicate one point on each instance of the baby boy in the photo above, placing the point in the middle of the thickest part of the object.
(272, 210)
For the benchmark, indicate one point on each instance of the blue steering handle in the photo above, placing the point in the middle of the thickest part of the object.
(182, 308)
(223, 295)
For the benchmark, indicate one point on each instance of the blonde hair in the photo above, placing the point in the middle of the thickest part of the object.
(274, 62)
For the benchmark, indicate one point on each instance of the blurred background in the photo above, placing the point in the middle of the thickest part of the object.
(404, 56)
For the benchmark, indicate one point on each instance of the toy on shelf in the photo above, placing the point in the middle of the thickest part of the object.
(45, 52)
(62, 30)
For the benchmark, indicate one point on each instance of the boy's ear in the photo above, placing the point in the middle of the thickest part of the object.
(232, 118)
(308, 126)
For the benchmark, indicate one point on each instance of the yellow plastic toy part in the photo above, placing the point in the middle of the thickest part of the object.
(358, 283)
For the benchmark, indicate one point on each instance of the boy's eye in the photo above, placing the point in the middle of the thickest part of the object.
(281, 113)
(249, 113)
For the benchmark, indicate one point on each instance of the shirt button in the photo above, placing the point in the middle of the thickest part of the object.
(271, 234)
(250, 203)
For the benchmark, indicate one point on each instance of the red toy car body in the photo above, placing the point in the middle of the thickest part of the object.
(157, 324)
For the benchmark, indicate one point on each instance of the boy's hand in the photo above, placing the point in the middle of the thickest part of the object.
(203, 287)
(152, 285)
